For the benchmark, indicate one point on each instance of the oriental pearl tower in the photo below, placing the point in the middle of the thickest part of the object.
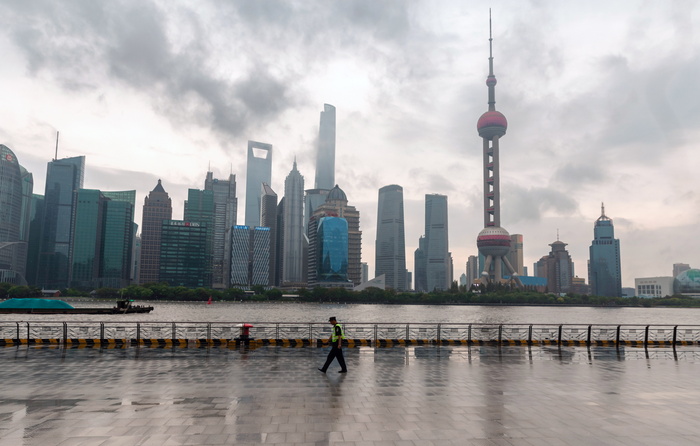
(493, 241)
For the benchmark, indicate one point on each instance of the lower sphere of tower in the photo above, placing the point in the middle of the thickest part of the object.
(493, 241)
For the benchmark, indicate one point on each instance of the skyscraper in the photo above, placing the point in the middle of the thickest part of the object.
(438, 260)
(493, 241)
(420, 264)
(225, 210)
(268, 219)
(390, 246)
(604, 272)
(515, 256)
(325, 157)
(332, 250)
(183, 258)
(250, 251)
(63, 177)
(558, 268)
(336, 205)
(157, 207)
(199, 207)
(293, 247)
(86, 238)
(13, 248)
(258, 171)
(36, 220)
(472, 269)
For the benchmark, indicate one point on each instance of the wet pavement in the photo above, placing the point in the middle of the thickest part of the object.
(390, 396)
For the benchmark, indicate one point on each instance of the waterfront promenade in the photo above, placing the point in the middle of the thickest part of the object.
(423, 395)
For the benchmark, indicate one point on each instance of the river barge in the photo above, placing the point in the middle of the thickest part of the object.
(52, 306)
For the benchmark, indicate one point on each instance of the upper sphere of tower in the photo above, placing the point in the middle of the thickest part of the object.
(492, 123)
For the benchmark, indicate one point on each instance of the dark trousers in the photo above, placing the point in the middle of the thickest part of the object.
(336, 352)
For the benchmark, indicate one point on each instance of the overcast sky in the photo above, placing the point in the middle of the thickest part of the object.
(601, 97)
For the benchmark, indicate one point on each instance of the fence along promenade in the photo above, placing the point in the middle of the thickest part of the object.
(201, 334)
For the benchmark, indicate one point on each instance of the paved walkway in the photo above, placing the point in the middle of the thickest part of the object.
(391, 396)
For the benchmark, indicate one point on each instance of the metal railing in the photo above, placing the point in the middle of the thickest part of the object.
(437, 333)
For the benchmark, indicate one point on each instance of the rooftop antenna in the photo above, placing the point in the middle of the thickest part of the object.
(56, 155)
(557, 234)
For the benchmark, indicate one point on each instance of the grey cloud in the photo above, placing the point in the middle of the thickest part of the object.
(575, 175)
(529, 204)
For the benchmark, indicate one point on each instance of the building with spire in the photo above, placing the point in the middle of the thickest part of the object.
(63, 178)
(13, 244)
(325, 157)
(604, 271)
(557, 267)
(293, 244)
(390, 246)
(258, 171)
(268, 219)
(225, 210)
(494, 242)
(157, 208)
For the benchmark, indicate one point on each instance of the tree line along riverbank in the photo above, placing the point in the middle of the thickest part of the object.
(488, 295)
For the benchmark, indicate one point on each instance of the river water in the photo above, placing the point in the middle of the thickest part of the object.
(363, 313)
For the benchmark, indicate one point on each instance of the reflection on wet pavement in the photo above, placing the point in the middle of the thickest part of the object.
(429, 395)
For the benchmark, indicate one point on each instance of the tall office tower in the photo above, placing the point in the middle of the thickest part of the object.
(157, 208)
(268, 219)
(472, 269)
(225, 209)
(332, 251)
(36, 220)
(438, 262)
(390, 246)
(250, 251)
(420, 264)
(279, 241)
(199, 207)
(292, 249)
(27, 192)
(604, 272)
(493, 241)
(183, 258)
(13, 249)
(515, 256)
(258, 171)
(557, 267)
(679, 268)
(136, 257)
(365, 272)
(463, 280)
(63, 177)
(312, 200)
(102, 230)
(336, 205)
(325, 158)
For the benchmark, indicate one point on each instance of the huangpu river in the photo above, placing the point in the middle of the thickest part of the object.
(365, 313)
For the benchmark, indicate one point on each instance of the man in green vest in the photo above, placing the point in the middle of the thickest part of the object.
(336, 341)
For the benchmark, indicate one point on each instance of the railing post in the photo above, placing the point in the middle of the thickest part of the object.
(590, 329)
(675, 334)
(375, 334)
(438, 334)
(646, 336)
(102, 331)
(560, 330)
(174, 333)
(408, 331)
(17, 324)
(469, 335)
(138, 333)
(617, 336)
(208, 330)
(27, 331)
(500, 333)
(65, 333)
(529, 335)
(277, 331)
(311, 333)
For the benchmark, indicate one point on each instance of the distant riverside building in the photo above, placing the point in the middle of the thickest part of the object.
(269, 219)
(313, 198)
(604, 272)
(437, 257)
(63, 177)
(390, 246)
(102, 239)
(557, 267)
(332, 251)
(199, 207)
(579, 286)
(136, 257)
(679, 268)
(225, 214)
(653, 286)
(515, 256)
(13, 221)
(293, 247)
(420, 264)
(472, 269)
(463, 280)
(157, 208)
(250, 251)
(183, 254)
(336, 205)
(258, 171)
(325, 157)
(36, 220)
(365, 272)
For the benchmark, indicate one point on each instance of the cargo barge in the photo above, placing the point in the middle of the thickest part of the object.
(51, 306)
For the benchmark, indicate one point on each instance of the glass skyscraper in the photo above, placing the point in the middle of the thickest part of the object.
(390, 247)
(604, 272)
(225, 210)
(63, 178)
(117, 239)
(258, 171)
(13, 250)
(250, 251)
(199, 207)
(325, 157)
(183, 258)
(332, 250)
(157, 207)
(437, 267)
(268, 219)
(293, 247)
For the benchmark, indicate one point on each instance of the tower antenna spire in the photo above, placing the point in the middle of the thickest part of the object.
(56, 154)
(491, 79)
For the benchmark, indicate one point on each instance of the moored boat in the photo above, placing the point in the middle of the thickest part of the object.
(29, 305)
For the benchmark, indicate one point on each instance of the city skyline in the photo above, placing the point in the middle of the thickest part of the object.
(596, 99)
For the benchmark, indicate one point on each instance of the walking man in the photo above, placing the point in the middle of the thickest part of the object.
(336, 341)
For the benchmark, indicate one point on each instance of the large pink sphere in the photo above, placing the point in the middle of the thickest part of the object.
(493, 241)
(492, 123)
